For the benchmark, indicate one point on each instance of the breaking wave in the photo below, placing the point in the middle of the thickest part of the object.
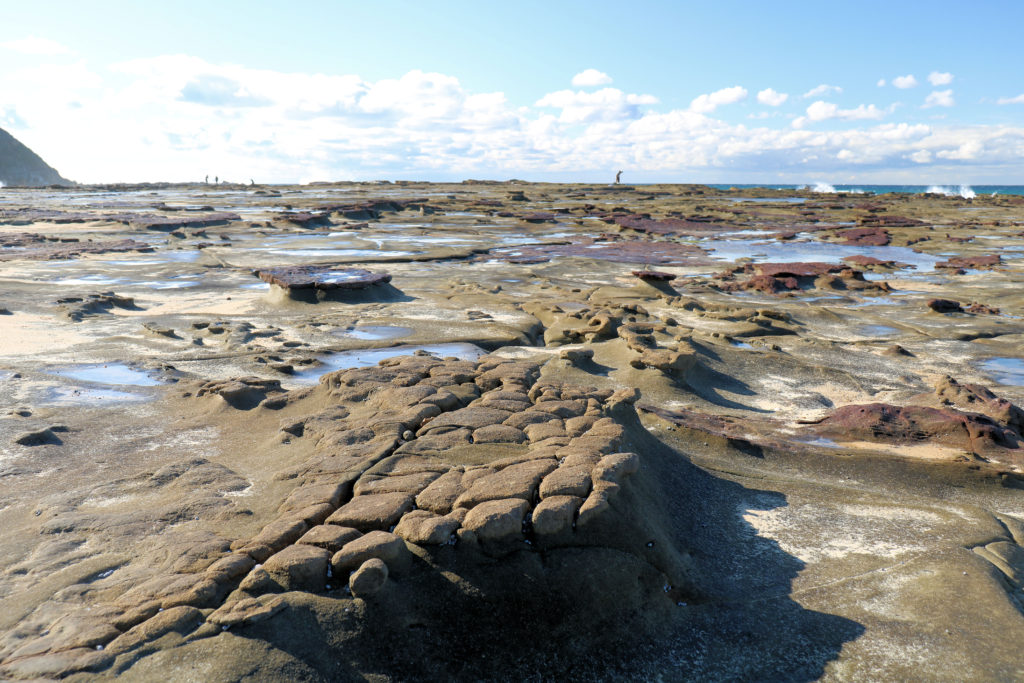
(963, 191)
(824, 188)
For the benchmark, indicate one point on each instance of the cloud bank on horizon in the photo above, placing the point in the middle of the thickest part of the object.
(180, 117)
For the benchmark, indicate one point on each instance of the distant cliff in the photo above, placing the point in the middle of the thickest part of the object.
(21, 166)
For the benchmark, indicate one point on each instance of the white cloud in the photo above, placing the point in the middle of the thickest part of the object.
(937, 78)
(1019, 99)
(904, 82)
(939, 98)
(606, 104)
(921, 156)
(771, 98)
(881, 83)
(822, 89)
(34, 45)
(589, 78)
(820, 110)
(705, 104)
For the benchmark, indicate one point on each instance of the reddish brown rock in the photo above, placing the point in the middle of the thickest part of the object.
(973, 262)
(867, 237)
(322, 277)
(914, 424)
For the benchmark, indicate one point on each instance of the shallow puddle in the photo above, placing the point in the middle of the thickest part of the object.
(1005, 370)
(375, 332)
(876, 331)
(111, 373)
(361, 358)
(341, 253)
(824, 252)
(91, 395)
(768, 200)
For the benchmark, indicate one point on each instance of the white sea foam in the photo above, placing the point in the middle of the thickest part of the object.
(824, 188)
(963, 191)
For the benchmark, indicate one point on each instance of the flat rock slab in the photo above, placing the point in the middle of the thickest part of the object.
(322, 277)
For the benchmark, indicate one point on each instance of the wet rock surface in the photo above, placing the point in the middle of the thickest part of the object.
(791, 452)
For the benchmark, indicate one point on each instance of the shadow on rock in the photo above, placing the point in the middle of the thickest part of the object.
(585, 612)
(379, 293)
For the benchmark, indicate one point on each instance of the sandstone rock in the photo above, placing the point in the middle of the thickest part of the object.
(425, 528)
(554, 515)
(440, 496)
(497, 520)
(515, 481)
(529, 417)
(498, 433)
(471, 417)
(562, 409)
(258, 581)
(379, 511)
(315, 494)
(567, 481)
(545, 430)
(330, 537)
(615, 467)
(575, 426)
(312, 514)
(247, 610)
(368, 580)
(181, 619)
(299, 567)
(280, 533)
(596, 505)
(380, 544)
(230, 567)
(411, 484)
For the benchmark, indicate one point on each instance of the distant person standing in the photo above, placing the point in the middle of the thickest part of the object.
(216, 180)
(618, 177)
(206, 180)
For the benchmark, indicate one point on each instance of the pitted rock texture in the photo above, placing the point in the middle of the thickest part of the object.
(384, 487)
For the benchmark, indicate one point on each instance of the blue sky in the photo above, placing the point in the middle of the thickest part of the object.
(907, 92)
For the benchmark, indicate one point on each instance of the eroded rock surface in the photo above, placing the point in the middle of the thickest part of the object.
(792, 451)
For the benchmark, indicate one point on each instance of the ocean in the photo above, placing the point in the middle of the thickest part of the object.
(966, 191)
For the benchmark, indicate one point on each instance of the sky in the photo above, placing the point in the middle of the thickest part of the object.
(560, 90)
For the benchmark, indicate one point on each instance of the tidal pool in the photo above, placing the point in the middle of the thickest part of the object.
(375, 332)
(824, 252)
(1005, 370)
(117, 374)
(361, 358)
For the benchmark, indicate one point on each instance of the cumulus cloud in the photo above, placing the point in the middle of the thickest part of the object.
(823, 89)
(1019, 99)
(881, 83)
(34, 45)
(606, 104)
(939, 98)
(589, 78)
(823, 111)
(707, 103)
(938, 78)
(904, 82)
(771, 98)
